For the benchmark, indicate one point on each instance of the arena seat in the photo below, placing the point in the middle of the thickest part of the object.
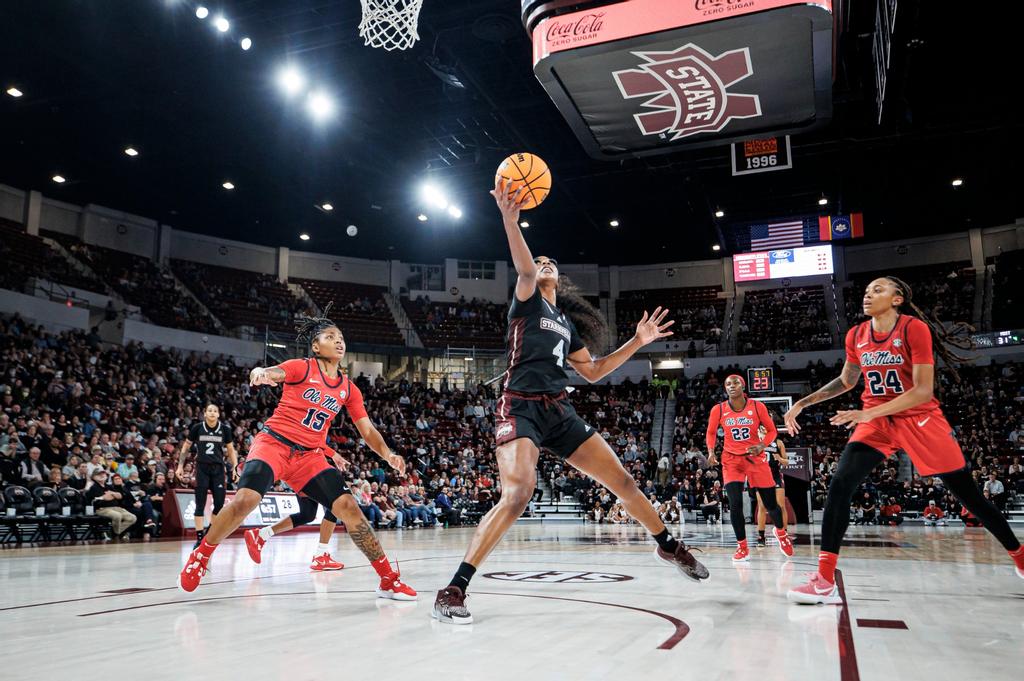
(360, 309)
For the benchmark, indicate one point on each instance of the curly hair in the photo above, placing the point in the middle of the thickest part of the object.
(588, 320)
(944, 338)
(308, 328)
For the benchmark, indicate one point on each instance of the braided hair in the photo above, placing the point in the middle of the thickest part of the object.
(944, 337)
(308, 328)
(588, 320)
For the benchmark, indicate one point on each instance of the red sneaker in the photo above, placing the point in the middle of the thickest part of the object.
(785, 543)
(195, 569)
(324, 562)
(742, 554)
(254, 542)
(395, 589)
(816, 591)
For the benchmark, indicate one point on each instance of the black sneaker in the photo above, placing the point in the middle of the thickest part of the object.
(450, 606)
(761, 541)
(199, 539)
(683, 561)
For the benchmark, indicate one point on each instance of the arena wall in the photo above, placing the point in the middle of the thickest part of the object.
(53, 316)
(12, 203)
(308, 265)
(223, 252)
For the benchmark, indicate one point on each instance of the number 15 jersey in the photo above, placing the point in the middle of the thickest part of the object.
(309, 402)
(887, 360)
(538, 340)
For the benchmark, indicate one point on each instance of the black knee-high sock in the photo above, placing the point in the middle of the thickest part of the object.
(966, 490)
(462, 576)
(771, 506)
(855, 463)
(734, 490)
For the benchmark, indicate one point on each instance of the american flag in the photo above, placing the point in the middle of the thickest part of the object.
(777, 235)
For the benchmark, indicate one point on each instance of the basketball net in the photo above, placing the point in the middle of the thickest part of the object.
(390, 24)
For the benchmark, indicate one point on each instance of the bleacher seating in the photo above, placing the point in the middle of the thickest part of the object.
(359, 309)
(1007, 298)
(462, 324)
(784, 320)
(25, 256)
(947, 289)
(698, 311)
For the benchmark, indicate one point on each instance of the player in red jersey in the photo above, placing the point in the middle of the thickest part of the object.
(895, 352)
(744, 459)
(292, 446)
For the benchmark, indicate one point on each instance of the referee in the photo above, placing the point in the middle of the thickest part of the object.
(212, 439)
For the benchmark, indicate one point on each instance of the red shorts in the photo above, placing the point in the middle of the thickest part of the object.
(741, 468)
(927, 439)
(294, 469)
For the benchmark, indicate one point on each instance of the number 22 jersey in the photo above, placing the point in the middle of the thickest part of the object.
(309, 402)
(887, 360)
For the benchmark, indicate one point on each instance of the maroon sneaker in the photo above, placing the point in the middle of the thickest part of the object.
(450, 606)
(683, 561)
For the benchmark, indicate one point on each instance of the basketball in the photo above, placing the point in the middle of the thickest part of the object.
(529, 170)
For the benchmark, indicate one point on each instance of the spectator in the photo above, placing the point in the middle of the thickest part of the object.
(933, 514)
(108, 503)
(126, 469)
(996, 490)
(890, 513)
(32, 471)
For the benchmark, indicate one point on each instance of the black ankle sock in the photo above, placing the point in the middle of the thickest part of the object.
(462, 576)
(666, 541)
(760, 534)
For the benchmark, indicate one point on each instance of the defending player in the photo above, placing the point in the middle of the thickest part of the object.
(292, 447)
(534, 411)
(776, 452)
(895, 353)
(748, 429)
(213, 440)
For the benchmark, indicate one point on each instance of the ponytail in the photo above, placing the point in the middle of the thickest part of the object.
(588, 320)
(944, 338)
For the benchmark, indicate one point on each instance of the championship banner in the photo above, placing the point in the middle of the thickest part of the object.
(799, 465)
(835, 227)
(761, 155)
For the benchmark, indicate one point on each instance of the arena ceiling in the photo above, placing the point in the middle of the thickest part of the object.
(100, 76)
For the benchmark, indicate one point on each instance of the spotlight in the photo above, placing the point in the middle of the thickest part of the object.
(719, 213)
(614, 223)
(291, 81)
(823, 201)
(228, 185)
(59, 179)
(421, 217)
(716, 247)
(246, 43)
(131, 151)
(320, 106)
(433, 195)
(202, 12)
(304, 236)
(524, 224)
(222, 24)
(14, 92)
(469, 359)
(455, 212)
(351, 230)
(956, 182)
(326, 207)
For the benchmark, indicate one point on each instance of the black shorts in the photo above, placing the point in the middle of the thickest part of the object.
(550, 423)
(778, 477)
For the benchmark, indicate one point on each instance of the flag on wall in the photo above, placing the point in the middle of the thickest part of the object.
(833, 227)
(774, 235)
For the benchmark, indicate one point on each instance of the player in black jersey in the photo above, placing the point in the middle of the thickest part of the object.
(212, 439)
(777, 458)
(549, 327)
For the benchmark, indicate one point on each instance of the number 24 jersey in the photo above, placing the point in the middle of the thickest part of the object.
(887, 360)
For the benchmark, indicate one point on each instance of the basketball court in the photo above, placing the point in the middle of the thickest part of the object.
(557, 602)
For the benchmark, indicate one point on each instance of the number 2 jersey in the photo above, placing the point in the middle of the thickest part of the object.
(538, 340)
(740, 426)
(309, 402)
(887, 360)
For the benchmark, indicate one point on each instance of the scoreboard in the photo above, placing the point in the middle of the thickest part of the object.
(782, 263)
(761, 380)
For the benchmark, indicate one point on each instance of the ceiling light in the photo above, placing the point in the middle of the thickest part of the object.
(716, 247)
(421, 217)
(327, 207)
(304, 236)
(291, 81)
(320, 106)
(228, 185)
(59, 179)
(469, 359)
(246, 43)
(719, 213)
(433, 195)
(823, 201)
(131, 151)
(222, 24)
(956, 182)
(202, 12)
(14, 92)
(455, 212)
(614, 223)
(524, 224)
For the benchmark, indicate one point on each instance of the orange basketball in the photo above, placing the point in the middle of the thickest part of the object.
(529, 170)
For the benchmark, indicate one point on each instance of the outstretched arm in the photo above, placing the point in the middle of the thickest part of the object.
(509, 203)
(845, 382)
(375, 441)
(266, 376)
(648, 329)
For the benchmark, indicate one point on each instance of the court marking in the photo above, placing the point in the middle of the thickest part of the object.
(883, 624)
(848, 669)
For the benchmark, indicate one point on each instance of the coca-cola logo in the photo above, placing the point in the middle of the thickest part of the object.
(687, 91)
(584, 25)
(709, 4)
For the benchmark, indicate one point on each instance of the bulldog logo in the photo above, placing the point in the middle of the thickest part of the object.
(688, 90)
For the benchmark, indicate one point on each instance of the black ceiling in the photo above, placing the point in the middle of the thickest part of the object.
(101, 75)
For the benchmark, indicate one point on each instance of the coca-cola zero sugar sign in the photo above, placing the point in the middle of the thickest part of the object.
(687, 90)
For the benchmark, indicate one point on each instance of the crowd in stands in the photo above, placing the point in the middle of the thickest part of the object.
(26, 257)
(472, 323)
(359, 309)
(698, 312)
(1007, 299)
(946, 289)
(783, 320)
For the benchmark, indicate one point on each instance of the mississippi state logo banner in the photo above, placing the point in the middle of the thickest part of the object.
(643, 77)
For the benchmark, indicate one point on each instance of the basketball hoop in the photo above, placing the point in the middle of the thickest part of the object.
(390, 24)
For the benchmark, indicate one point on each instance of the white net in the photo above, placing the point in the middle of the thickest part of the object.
(390, 24)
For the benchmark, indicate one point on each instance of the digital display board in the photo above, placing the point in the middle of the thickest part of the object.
(782, 263)
(760, 380)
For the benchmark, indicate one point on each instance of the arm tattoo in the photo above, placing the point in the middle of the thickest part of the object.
(835, 387)
(366, 541)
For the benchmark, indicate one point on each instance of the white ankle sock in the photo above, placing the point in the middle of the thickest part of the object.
(321, 549)
(266, 533)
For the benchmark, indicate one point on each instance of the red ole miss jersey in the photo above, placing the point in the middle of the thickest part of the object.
(887, 360)
(310, 401)
(740, 426)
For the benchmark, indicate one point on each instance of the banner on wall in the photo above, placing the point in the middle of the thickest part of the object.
(799, 465)
(274, 507)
